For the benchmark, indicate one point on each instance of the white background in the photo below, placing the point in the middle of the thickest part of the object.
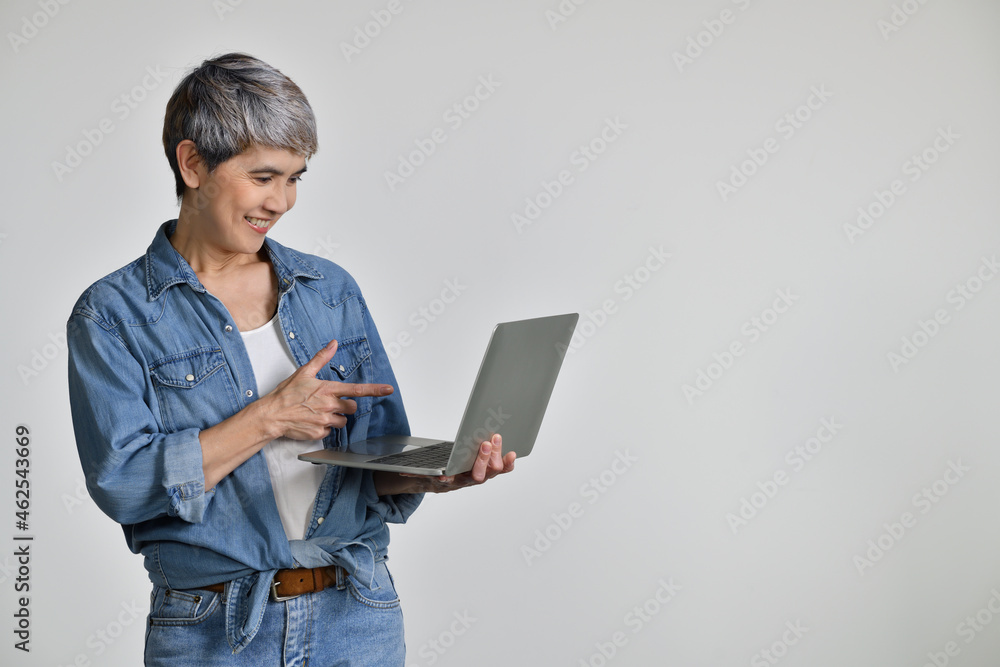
(893, 77)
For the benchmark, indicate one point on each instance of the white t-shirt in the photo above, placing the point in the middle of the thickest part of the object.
(295, 483)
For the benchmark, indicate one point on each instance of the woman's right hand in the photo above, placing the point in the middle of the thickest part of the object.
(304, 407)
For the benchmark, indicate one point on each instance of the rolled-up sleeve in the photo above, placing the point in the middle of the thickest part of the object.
(398, 508)
(133, 471)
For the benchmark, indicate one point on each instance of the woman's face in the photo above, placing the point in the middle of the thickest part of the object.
(238, 203)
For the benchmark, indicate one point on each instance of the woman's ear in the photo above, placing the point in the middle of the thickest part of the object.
(191, 166)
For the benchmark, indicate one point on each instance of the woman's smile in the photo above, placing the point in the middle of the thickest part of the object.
(258, 224)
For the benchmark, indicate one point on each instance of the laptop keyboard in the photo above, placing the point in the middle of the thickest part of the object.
(432, 456)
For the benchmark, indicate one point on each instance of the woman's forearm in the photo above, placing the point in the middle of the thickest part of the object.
(232, 441)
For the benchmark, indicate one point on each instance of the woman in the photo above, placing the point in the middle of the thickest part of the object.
(202, 369)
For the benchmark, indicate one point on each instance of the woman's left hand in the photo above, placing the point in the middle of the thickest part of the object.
(489, 463)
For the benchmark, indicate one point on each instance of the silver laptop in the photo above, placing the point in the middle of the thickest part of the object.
(509, 397)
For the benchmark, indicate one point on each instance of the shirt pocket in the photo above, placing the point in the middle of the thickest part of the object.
(194, 388)
(352, 363)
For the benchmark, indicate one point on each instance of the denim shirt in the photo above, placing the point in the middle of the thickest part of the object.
(154, 358)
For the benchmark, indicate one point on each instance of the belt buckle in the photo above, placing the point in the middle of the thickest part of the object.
(280, 598)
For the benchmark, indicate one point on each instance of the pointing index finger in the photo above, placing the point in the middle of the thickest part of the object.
(352, 389)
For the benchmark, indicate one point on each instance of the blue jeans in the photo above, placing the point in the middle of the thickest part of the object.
(346, 625)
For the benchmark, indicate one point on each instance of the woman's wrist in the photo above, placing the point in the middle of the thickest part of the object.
(392, 483)
(262, 414)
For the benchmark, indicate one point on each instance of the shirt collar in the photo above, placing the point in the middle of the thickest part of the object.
(165, 266)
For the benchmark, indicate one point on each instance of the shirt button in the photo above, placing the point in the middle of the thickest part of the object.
(249, 393)
(229, 328)
(319, 520)
(189, 377)
(291, 334)
(342, 368)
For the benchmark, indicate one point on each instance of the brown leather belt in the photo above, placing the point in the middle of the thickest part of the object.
(288, 584)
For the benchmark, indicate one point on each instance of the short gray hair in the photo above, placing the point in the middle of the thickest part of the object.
(234, 102)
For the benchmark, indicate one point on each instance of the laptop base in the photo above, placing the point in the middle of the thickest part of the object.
(363, 454)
